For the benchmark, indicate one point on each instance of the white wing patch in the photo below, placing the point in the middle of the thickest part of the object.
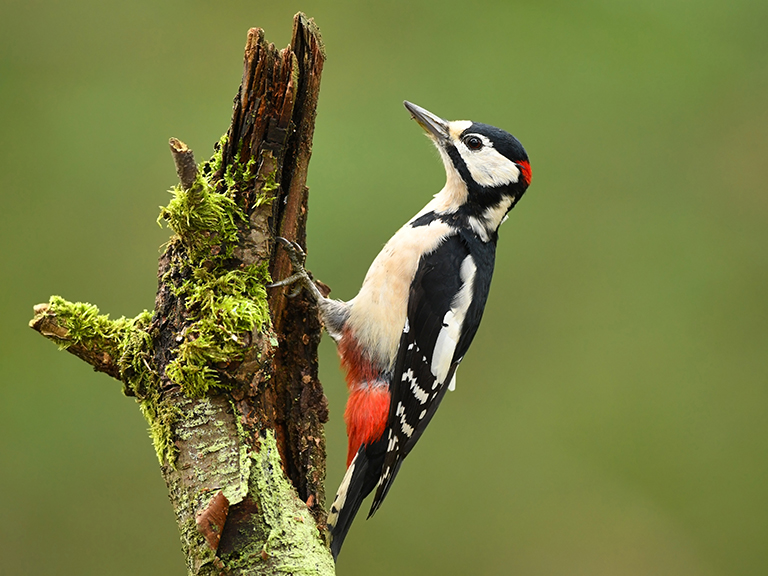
(447, 340)
(449, 335)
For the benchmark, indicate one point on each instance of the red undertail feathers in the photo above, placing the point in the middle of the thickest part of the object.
(368, 405)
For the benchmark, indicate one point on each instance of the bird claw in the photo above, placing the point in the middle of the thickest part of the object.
(296, 255)
(295, 292)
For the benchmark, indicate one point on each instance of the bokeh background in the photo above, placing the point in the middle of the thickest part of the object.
(611, 417)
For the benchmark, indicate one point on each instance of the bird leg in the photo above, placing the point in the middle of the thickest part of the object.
(334, 313)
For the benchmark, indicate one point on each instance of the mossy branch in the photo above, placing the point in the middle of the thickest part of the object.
(225, 373)
(115, 347)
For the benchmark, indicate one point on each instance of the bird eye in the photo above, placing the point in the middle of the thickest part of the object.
(473, 142)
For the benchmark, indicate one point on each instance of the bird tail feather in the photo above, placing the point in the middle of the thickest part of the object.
(349, 497)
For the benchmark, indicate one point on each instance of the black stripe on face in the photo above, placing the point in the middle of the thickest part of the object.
(461, 168)
(479, 197)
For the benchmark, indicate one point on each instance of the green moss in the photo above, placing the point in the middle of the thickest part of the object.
(214, 164)
(135, 361)
(268, 188)
(162, 416)
(202, 217)
(225, 309)
(238, 172)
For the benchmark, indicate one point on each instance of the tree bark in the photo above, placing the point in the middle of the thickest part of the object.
(224, 369)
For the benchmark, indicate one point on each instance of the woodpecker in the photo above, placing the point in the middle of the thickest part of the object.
(403, 336)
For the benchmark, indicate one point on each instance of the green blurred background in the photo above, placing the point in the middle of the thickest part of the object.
(611, 417)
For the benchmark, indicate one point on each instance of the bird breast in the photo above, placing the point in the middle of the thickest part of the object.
(378, 312)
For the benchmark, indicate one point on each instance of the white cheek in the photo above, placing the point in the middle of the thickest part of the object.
(488, 167)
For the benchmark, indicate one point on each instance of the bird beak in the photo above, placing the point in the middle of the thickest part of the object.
(434, 125)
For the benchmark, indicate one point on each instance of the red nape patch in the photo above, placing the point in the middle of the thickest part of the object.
(366, 416)
(525, 170)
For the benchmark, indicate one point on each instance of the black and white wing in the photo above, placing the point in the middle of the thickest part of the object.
(445, 305)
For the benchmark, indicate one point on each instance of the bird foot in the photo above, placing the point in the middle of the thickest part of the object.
(300, 276)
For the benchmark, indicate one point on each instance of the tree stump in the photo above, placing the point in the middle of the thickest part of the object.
(225, 369)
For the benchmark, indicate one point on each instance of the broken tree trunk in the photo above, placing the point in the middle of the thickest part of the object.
(224, 370)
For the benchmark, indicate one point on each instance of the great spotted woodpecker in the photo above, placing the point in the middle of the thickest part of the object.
(405, 333)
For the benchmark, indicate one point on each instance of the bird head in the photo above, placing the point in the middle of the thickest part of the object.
(487, 169)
